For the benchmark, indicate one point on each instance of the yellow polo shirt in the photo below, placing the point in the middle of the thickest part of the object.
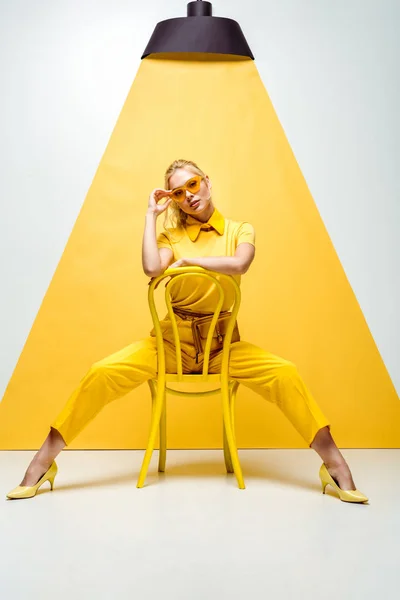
(217, 237)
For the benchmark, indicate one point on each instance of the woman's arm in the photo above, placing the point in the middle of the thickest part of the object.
(154, 260)
(229, 265)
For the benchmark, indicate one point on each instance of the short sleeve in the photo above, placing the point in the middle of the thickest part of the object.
(245, 233)
(163, 241)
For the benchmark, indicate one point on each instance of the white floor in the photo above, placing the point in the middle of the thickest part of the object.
(192, 534)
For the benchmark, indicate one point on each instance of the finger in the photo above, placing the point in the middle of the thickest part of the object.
(158, 198)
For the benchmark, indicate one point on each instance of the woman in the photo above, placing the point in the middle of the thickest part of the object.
(201, 237)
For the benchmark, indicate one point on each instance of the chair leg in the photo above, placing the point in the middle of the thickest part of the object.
(227, 455)
(228, 398)
(233, 405)
(232, 398)
(158, 403)
(162, 456)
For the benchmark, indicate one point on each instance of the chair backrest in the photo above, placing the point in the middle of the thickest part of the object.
(175, 275)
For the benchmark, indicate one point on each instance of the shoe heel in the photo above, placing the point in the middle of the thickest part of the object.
(345, 495)
(52, 482)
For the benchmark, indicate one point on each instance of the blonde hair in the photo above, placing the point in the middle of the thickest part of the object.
(176, 214)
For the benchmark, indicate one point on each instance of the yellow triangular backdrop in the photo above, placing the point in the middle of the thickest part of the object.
(297, 302)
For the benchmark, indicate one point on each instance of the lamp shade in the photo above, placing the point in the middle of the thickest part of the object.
(199, 31)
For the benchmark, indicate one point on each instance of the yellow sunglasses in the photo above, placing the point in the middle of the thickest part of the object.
(192, 185)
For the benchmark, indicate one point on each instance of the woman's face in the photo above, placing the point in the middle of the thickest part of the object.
(193, 204)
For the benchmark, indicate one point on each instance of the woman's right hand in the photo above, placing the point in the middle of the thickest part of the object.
(156, 195)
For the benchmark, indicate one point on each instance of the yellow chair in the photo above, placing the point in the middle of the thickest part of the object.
(158, 386)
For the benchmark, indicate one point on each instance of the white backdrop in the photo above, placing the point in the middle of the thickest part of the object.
(331, 70)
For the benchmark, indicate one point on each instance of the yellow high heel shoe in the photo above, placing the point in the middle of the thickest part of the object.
(345, 495)
(26, 491)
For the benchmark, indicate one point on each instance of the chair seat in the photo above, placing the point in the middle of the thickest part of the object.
(194, 378)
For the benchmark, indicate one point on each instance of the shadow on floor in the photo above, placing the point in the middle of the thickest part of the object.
(206, 469)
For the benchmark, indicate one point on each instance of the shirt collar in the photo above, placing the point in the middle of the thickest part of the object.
(193, 226)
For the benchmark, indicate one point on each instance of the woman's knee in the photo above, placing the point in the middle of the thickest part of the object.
(288, 369)
(97, 369)
(100, 374)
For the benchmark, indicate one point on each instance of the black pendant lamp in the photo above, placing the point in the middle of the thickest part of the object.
(198, 32)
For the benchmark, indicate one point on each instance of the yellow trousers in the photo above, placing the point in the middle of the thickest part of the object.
(275, 379)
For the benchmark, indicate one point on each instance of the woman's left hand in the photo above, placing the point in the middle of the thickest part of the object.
(182, 262)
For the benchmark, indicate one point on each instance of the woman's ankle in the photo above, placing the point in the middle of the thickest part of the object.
(39, 462)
